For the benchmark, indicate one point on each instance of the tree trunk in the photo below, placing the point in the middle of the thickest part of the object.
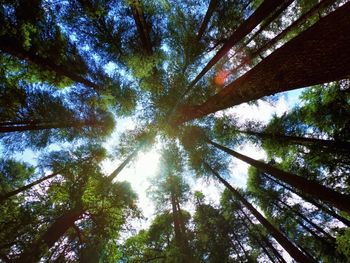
(43, 126)
(293, 251)
(208, 14)
(141, 25)
(340, 201)
(295, 26)
(241, 246)
(265, 239)
(311, 201)
(306, 60)
(265, 9)
(304, 141)
(6, 196)
(51, 236)
(10, 46)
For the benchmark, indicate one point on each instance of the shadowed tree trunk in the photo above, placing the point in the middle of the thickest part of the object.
(9, 46)
(206, 19)
(306, 60)
(304, 141)
(35, 126)
(6, 196)
(310, 200)
(51, 236)
(141, 25)
(340, 201)
(293, 251)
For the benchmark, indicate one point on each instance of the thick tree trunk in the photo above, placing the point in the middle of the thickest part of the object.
(51, 236)
(304, 141)
(311, 201)
(340, 201)
(306, 60)
(293, 251)
(295, 26)
(10, 46)
(141, 25)
(208, 14)
(6, 196)
(265, 9)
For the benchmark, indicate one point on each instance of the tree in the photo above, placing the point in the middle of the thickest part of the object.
(306, 68)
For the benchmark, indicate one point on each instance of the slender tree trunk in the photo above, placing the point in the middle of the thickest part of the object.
(264, 238)
(208, 14)
(177, 228)
(340, 201)
(293, 251)
(315, 226)
(256, 238)
(10, 46)
(265, 9)
(306, 60)
(304, 141)
(44, 126)
(51, 236)
(141, 25)
(241, 246)
(8, 195)
(311, 201)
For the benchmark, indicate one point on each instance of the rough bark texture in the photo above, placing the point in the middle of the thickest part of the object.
(338, 200)
(293, 251)
(206, 18)
(318, 55)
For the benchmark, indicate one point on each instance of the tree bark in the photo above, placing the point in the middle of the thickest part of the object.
(340, 201)
(306, 60)
(51, 236)
(6, 196)
(208, 14)
(293, 251)
(141, 25)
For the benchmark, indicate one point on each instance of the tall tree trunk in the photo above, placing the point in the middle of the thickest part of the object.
(141, 25)
(264, 238)
(304, 141)
(315, 226)
(10, 46)
(340, 201)
(257, 239)
(51, 236)
(208, 14)
(293, 251)
(6, 196)
(295, 26)
(265, 9)
(176, 221)
(311, 201)
(236, 238)
(306, 60)
(44, 126)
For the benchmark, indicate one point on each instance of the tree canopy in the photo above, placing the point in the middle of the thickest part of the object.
(231, 185)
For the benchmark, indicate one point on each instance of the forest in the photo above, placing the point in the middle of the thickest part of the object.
(242, 107)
